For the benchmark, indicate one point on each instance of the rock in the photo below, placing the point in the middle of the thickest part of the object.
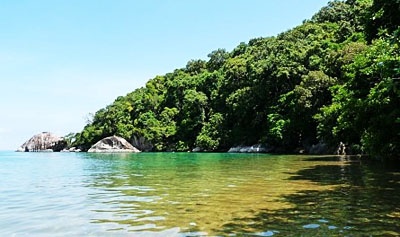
(319, 149)
(112, 144)
(20, 149)
(141, 143)
(239, 149)
(197, 149)
(71, 149)
(234, 149)
(74, 149)
(245, 149)
(257, 148)
(44, 141)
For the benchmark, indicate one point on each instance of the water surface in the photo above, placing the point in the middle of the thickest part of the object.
(188, 194)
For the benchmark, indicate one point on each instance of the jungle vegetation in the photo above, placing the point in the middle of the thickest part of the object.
(334, 78)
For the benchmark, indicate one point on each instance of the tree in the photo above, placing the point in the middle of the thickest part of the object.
(211, 134)
(384, 18)
(365, 109)
(217, 59)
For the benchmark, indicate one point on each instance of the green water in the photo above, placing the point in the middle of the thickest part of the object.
(187, 194)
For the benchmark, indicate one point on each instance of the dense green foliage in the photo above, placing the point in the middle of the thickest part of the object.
(334, 78)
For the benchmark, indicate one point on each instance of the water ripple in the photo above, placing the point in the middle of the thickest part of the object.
(179, 195)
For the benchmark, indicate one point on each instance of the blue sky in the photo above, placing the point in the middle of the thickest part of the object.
(61, 60)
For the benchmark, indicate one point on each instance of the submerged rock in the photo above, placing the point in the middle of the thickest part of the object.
(44, 141)
(112, 144)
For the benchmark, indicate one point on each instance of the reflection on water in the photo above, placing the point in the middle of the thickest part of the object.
(364, 202)
(182, 194)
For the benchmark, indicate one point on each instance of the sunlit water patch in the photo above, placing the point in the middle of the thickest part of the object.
(185, 194)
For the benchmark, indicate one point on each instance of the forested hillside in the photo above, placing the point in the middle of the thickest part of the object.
(334, 78)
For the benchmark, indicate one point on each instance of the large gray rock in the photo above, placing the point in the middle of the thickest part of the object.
(112, 144)
(44, 141)
(141, 143)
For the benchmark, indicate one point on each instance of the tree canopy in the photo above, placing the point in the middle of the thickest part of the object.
(334, 78)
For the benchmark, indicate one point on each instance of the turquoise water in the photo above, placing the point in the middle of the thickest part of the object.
(187, 194)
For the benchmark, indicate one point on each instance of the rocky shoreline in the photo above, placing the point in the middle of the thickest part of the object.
(49, 142)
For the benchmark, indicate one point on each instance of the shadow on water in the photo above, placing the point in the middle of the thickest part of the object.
(364, 201)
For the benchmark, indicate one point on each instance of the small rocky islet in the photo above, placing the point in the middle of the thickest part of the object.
(44, 141)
